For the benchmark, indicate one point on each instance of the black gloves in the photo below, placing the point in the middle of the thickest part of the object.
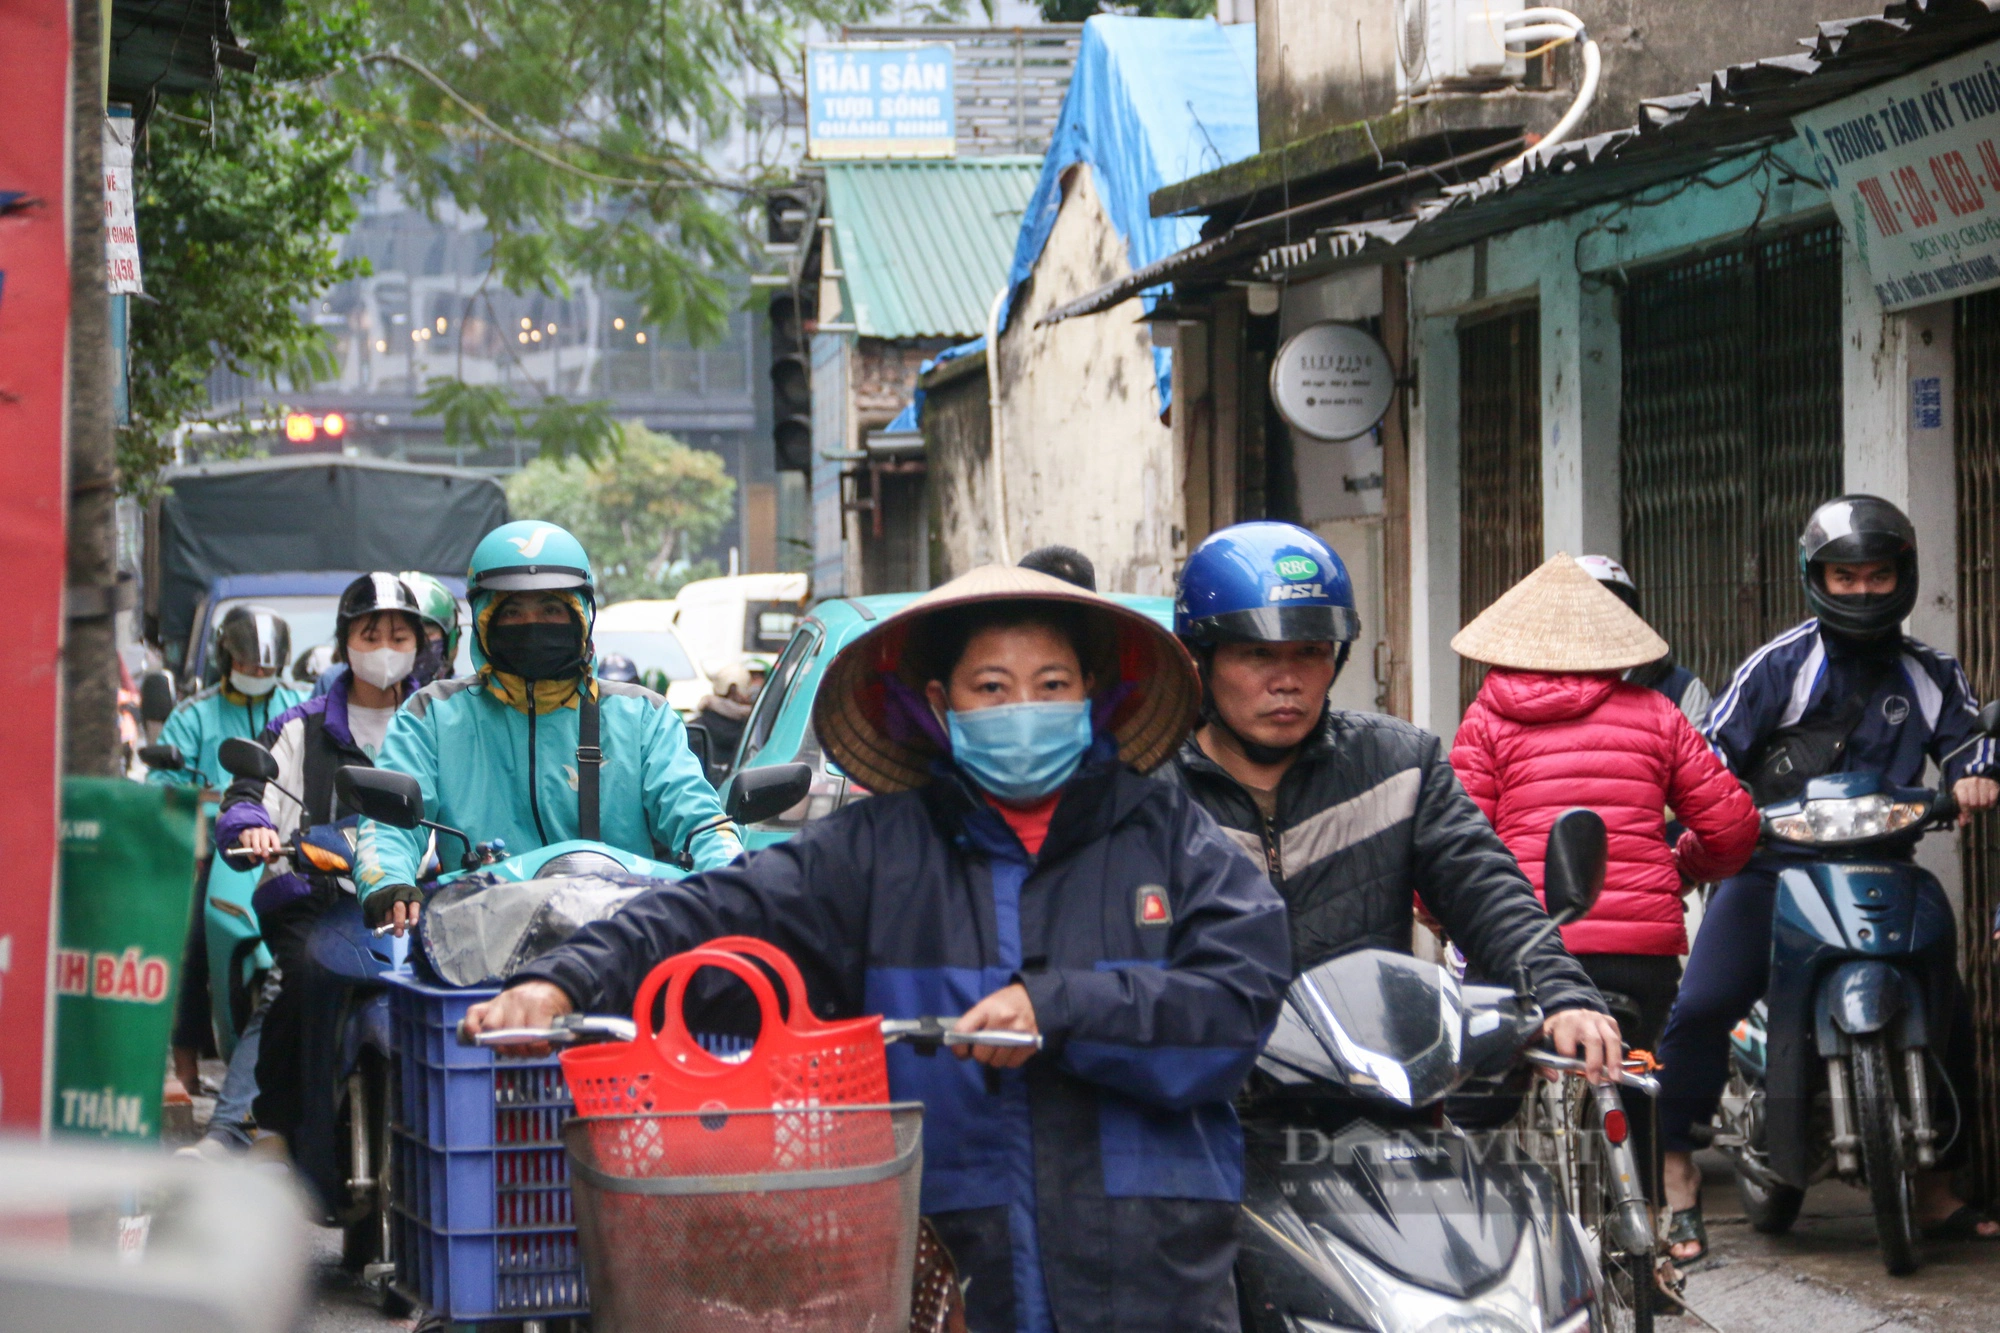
(377, 906)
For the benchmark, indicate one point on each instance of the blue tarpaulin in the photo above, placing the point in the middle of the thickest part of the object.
(1152, 102)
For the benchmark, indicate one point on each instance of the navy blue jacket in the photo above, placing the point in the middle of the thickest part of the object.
(1095, 1188)
(1923, 709)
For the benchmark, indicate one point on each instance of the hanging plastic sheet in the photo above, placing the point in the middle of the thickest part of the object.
(1152, 102)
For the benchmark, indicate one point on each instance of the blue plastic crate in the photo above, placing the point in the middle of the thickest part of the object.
(484, 1223)
(479, 1276)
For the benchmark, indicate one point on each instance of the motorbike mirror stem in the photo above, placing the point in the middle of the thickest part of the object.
(471, 860)
(684, 858)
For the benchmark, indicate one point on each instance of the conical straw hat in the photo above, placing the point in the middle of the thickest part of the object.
(871, 716)
(1559, 619)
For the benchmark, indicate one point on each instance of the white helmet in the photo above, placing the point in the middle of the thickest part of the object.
(1613, 576)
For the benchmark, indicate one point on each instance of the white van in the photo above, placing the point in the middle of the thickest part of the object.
(643, 630)
(747, 615)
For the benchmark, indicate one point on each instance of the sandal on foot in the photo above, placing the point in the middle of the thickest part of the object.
(1686, 1225)
(1962, 1224)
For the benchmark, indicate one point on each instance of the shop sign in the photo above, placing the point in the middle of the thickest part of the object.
(880, 100)
(1332, 381)
(121, 220)
(1912, 167)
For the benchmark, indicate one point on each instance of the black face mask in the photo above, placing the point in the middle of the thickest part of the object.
(537, 651)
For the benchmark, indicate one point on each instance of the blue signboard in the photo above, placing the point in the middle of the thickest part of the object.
(880, 99)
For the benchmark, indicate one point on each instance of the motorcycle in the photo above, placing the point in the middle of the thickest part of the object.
(357, 957)
(353, 959)
(238, 962)
(1834, 1072)
(1366, 1206)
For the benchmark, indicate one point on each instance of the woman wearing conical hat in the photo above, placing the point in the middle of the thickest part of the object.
(1556, 726)
(1013, 866)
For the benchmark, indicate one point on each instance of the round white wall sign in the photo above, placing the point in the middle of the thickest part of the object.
(1333, 381)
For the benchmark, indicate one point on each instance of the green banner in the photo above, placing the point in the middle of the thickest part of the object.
(128, 855)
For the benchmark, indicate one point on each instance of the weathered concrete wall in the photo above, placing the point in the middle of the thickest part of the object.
(1326, 63)
(1322, 63)
(1087, 460)
(885, 375)
(1568, 267)
(958, 448)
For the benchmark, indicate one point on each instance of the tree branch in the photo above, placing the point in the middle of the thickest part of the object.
(536, 150)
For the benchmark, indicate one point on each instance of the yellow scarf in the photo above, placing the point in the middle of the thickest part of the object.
(512, 690)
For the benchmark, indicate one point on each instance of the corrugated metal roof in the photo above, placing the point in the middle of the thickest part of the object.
(925, 245)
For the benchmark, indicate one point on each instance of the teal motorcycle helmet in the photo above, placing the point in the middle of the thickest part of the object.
(530, 556)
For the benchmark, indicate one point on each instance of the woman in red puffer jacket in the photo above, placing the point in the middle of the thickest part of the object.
(1555, 727)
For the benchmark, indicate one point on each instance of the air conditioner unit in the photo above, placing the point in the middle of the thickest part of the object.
(1453, 45)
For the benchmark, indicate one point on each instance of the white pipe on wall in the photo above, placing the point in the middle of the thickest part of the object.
(993, 425)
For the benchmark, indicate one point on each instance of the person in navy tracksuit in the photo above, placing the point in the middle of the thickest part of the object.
(1013, 867)
(1846, 691)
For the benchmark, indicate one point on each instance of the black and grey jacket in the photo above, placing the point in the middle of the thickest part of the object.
(1369, 815)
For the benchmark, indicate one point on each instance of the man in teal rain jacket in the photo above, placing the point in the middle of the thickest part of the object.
(498, 752)
(252, 646)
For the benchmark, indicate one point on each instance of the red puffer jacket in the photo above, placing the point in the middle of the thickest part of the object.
(1535, 744)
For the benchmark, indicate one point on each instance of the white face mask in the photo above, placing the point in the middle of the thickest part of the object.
(254, 686)
(381, 667)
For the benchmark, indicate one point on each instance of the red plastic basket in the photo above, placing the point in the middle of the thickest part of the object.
(796, 1061)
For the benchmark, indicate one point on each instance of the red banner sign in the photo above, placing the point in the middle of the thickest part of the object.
(34, 338)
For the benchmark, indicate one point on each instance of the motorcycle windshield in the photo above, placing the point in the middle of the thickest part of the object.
(476, 932)
(1383, 1024)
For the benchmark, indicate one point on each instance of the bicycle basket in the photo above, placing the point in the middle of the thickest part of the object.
(682, 1226)
(796, 1059)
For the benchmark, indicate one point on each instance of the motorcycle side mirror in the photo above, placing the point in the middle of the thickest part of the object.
(166, 758)
(754, 795)
(1573, 874)
(702, 742)
(389, 798)
(243, 758)
(156, 697)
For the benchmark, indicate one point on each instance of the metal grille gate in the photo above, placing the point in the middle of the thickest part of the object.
(1499, 467)
(1977, 349)
(1730, 435)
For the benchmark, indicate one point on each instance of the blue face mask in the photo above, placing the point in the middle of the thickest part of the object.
(1021, 752)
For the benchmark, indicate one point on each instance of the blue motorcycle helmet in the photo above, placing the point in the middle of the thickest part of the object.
(1263, 582)
(1266, 583)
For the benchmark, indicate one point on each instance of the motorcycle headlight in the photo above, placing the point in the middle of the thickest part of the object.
(1482, 1322)
(1849, 819)
(1510, 1305)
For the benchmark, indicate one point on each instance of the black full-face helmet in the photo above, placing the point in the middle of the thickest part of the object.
(251, 636)
(365, 597)
(1852, 530)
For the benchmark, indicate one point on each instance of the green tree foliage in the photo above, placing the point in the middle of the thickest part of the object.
(581, 134)
(642, 509)
(242, 198)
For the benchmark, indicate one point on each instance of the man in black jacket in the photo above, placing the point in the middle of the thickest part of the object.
(1354, 815)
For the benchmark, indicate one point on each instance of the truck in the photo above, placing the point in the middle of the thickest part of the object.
(290, 534)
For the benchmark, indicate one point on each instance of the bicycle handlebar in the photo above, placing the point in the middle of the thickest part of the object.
(572, 1029)
(1569, 1064)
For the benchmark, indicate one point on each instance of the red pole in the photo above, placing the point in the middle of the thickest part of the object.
(34, 336)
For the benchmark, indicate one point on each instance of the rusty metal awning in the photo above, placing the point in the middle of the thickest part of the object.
(1219, 256)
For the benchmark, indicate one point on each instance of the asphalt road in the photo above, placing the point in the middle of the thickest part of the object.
(1826, 1276)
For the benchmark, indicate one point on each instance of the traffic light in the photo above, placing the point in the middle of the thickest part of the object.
(791, 380)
